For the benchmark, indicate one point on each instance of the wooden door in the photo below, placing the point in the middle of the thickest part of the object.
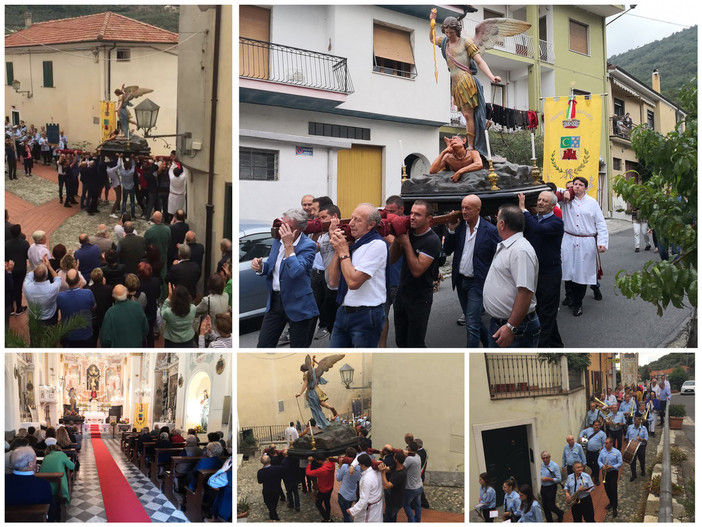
(254, 23)
(360, 176)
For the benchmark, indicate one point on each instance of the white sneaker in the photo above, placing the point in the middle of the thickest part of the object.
(114, 216)
(284, 338)
(321, 333)
(461, 320)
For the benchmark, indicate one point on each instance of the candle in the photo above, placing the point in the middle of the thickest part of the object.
(487, 140)
(533, 150)
(402, 153)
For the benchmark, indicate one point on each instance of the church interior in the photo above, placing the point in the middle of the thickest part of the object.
(118, 437)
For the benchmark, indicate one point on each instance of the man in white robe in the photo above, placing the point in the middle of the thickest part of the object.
(585, 236)
(369, 508)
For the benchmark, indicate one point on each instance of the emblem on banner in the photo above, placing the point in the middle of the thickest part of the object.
(570, 148)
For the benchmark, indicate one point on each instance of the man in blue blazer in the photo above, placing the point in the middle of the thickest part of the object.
(545, 233)
(288, 274)
(22, 487)
(474, 242)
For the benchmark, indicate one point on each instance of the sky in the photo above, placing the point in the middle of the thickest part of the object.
(649, 21)
(649, 356)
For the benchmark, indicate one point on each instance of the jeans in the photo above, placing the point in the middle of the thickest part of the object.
(358, 329)
(527, 335)
(151, 203)
(129, 193)
(343, 505)
(413, 505)
(470, 295)
(412, 310)
(118, 199)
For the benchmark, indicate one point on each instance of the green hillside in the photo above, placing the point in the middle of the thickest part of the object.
(165, 17)
(675, 57)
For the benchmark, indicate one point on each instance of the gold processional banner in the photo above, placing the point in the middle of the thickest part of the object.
(572, 130)
(140, 414)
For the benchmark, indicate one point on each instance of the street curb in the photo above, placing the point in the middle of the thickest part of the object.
(683, 330)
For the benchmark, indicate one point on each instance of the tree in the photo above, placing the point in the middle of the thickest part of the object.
(677, 377)
(576, 361)
(669, 200)
(644, 372)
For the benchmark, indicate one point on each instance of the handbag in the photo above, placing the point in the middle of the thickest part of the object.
(220, 479)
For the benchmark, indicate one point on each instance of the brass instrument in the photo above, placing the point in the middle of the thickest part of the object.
(605, 409)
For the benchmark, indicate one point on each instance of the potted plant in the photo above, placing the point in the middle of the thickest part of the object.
(676, 414)
(249, 447)
(242, 509)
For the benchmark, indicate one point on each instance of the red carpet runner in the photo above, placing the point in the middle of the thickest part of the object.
(121, 504)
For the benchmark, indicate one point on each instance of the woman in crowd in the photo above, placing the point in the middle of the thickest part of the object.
(487, 497)
(210, 461)
(57, 253)
(512, 501)
(178, 314)
(132, 284)
(223, 339)
(55, 460)
(68, 262)
(530, 510)
(62, 438)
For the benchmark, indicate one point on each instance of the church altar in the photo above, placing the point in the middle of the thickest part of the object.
(94, 415)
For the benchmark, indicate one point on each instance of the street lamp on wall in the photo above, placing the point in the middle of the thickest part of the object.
(146, 113)
(16, 86)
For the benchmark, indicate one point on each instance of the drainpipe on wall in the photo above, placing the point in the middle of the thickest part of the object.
(209, 207)
(109, 71)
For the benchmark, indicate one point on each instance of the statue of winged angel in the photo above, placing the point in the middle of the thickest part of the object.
(463, 58)
(311, 379)
(125, 95)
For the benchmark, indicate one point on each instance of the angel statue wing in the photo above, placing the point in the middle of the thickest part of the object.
(308, 371)
(132, 92)
(327, 363)
(492, 31)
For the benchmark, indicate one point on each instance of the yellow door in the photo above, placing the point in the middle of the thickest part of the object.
(254, 23)
(360, 176)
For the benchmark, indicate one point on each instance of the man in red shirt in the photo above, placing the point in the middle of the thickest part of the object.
(325, 483)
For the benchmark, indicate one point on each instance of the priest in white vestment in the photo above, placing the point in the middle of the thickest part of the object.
(369, 508)
(585, 235)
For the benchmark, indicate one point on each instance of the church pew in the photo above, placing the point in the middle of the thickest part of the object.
(26, 513)
(155, 465)
(59, 500)
(194, 499)
(135, 452)
(147, 450)
(170, 476)
(139, 459)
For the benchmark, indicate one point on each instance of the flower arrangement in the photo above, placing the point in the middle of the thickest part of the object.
(198, 430)
(124, 421)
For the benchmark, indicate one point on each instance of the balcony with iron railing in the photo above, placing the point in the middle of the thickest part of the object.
(619, 129)
(515, 375)
(546, 52)
(276, 63)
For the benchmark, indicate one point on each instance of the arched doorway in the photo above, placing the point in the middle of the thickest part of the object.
(197, 404)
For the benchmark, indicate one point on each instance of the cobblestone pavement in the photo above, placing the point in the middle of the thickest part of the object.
(632, 494)
(36, 190)
(447, 503)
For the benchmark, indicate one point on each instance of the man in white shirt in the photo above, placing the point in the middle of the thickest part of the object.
(585, 235)
(508, 295)
(369, 507)
(291, 434)
(359, 272)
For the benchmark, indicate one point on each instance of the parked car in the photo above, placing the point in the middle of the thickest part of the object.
(255, 241)
(688, 387)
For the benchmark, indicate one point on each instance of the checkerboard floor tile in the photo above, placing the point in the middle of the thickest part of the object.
(87, 504)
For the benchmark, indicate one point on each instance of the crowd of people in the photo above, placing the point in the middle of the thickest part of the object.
(49, 449)
(511, 269)
(148, 282)
(120, 280)
(374, 484)
(618, 426)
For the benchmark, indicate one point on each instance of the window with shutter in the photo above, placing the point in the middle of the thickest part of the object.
(392, 52)
(10, 70)
(48, 74)
(579, 38)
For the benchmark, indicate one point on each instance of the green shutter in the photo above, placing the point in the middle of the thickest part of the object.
(48, 74)
(10, 73)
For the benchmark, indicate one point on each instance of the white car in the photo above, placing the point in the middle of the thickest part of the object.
(688, 387)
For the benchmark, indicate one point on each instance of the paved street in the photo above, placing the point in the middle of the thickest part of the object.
(615, 322)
